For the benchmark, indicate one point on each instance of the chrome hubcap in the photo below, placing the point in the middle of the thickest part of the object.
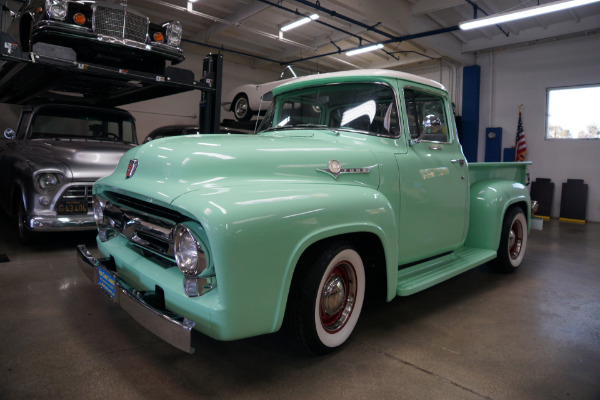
(241, 107)
(515, 240)
(338, 296)
(334, 294)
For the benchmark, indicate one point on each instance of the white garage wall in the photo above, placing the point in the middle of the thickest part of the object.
(521, 75)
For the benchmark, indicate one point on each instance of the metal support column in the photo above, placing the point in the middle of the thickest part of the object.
(210, 104)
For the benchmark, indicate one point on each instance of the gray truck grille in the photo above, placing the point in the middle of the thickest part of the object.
(79, 192)
(120, 23)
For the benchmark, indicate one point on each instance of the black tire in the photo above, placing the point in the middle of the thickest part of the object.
(26, 236)
(513, 241)
(241, 108)
(326, 298)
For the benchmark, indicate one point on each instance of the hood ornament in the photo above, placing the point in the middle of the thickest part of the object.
(335, 169)
(131, 168)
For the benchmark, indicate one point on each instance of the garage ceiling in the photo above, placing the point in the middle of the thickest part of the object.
(248, 29)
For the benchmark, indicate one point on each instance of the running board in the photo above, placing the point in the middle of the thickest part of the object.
(421, 276)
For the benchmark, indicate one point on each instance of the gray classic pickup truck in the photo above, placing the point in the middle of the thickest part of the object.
(52, 160)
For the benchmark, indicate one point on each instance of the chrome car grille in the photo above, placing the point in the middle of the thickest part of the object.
(120, 23)
(78, 192)
(145, 224)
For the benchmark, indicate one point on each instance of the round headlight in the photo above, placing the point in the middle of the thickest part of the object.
(174, 32)
(99, 205)
(48, 181)
(189, 254)
(58, 12)
(57, 9)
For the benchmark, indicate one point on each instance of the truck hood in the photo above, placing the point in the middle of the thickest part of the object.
(168, 168)
(87, 160)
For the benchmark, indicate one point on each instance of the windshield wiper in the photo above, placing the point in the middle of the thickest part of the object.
(319, 126)
(298, 126)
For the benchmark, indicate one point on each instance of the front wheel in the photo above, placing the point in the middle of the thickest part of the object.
(26, 236)
(326, 298)
(513, 241)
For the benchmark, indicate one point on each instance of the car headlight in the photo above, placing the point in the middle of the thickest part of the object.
(189, 253)
(57, 9)
(99, 205)
(47, 181)
(174, 31)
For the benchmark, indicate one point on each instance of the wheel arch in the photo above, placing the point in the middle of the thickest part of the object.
(489, 203)
(368, 244)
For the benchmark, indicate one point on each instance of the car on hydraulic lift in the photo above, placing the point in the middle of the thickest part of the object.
(97, 32)
(245, 100)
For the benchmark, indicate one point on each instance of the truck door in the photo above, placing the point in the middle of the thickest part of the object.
(433, 180)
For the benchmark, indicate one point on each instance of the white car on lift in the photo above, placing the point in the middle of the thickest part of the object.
(245, 100)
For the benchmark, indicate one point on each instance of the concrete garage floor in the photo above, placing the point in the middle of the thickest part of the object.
(534, 334)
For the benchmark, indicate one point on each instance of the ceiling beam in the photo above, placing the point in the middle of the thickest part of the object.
(430, 6)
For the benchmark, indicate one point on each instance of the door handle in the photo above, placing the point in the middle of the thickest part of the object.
(460, 161)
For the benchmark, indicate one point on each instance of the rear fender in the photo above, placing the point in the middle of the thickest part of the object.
(490, 199)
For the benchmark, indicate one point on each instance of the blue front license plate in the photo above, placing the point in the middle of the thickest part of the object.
(106, 281)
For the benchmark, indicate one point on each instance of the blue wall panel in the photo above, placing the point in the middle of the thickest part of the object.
(470, 111)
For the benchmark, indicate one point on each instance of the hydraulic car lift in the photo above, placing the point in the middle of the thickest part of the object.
(51, 73)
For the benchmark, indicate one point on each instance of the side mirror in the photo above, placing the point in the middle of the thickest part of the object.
(267, 96)
(9, 133)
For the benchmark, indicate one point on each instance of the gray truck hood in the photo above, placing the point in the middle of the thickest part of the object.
(88, 160)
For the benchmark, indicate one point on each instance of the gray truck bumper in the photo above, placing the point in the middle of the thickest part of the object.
(167, 327)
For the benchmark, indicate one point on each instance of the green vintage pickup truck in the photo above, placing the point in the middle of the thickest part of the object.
(355, 189)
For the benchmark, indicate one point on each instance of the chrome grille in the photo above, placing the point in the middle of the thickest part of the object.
(80, 193)
(120, 23)
(147, 225)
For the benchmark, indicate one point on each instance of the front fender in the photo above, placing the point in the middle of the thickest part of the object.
(258, 234)
(490, 199)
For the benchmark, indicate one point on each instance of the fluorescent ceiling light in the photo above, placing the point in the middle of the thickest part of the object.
(299, 23)
(365, 49)
(523, 13)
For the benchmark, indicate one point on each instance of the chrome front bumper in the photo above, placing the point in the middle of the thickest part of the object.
(173, 330)
(43, 223)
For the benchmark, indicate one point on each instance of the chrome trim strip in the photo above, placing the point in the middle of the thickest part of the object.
(177, 334)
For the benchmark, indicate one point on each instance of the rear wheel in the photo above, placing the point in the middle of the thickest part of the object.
(241, 108)
(326, 298)
(513, 241)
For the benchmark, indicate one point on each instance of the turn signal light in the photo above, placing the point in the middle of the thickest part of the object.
(38, 10)
(158, 37)
(79, 19)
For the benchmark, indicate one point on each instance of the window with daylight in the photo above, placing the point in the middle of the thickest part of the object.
(573, 112)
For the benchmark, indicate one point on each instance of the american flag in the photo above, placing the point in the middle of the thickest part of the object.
(521, 144)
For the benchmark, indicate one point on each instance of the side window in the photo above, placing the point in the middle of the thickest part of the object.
(426, 116)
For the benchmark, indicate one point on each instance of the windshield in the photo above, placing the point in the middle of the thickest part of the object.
(76, 123)
(368, 108)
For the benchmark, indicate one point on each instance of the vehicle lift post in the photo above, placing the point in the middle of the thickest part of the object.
(210, 104)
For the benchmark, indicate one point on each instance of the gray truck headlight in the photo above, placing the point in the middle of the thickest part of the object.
(189, 253)
(57, 9)
(174, 31)
(47, 181)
